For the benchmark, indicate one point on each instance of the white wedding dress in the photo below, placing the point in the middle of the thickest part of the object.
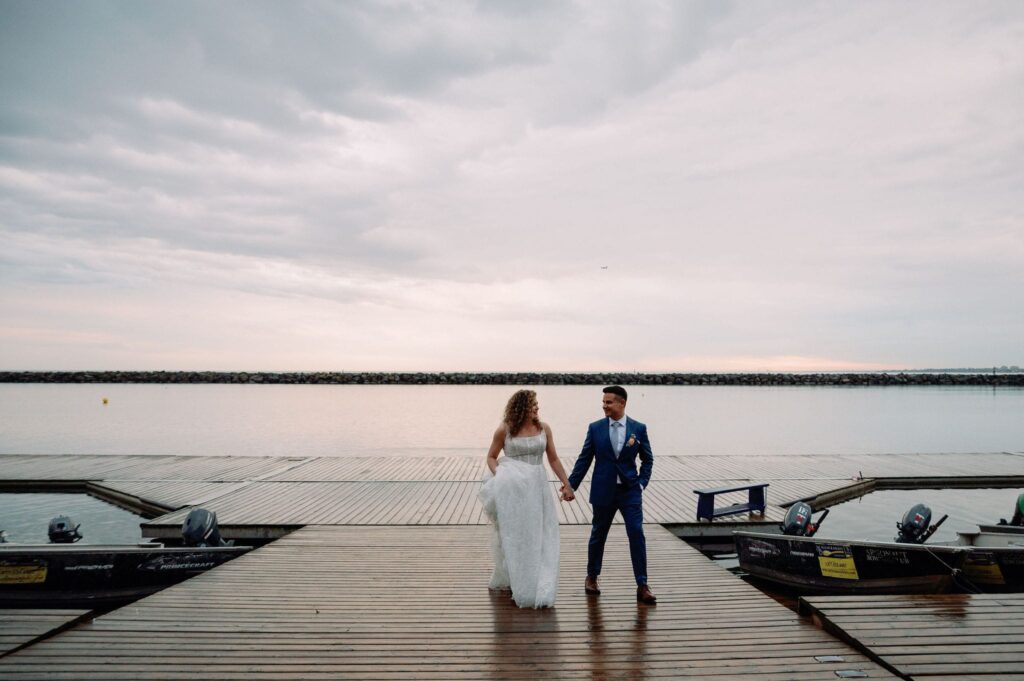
(519, 502)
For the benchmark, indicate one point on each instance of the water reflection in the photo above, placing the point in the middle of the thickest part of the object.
(598, 646)
(638, 644)
(954, 606)
(606, 658)
(515, 642)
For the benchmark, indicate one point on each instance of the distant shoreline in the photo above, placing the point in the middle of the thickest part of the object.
(513, 378)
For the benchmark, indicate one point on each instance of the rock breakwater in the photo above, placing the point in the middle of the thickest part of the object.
(513, 378)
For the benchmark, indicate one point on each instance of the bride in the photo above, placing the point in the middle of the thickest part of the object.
(517, 498)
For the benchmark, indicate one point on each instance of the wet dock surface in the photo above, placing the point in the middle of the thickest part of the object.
(411, 602)
(22, 627)
(933, 637)
(380, 566)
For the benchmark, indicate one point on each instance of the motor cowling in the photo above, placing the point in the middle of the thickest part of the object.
(62, 530)
(913, 529)
(200, 529)
(797, 520)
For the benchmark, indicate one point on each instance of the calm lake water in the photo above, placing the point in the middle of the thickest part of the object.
(874, 515)
(347, 420)
(25, 518)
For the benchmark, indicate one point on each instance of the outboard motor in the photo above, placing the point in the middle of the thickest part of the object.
(200, 529)
(1018, 514)
(3, 537)
(916, 526)
(63, 530)
(797, 522)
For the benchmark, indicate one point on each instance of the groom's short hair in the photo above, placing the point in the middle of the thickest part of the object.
(616, 390)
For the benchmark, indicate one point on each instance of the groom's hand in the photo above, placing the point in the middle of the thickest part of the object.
(566, 493)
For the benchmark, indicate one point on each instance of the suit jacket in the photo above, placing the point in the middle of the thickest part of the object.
(608, 467)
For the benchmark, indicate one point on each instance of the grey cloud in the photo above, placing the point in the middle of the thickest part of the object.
(78, 78)
(240, 58)
(777, 178)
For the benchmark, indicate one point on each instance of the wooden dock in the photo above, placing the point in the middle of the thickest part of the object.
(933, 637)
(411, 602)
(267, 497)
(380, 565)
(19, 628)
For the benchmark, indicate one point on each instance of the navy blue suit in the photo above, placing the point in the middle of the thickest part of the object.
(607, 495)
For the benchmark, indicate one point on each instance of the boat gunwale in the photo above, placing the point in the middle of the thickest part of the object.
(859, 542)
(86, 549)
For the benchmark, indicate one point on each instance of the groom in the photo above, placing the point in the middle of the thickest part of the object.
(616, 442)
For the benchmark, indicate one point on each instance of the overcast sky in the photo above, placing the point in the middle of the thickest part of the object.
(652, 186)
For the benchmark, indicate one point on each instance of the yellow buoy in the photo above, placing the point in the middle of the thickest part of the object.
(105, 400)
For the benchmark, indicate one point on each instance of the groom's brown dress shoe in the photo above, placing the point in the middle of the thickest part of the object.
(590, 586)
(644, 595)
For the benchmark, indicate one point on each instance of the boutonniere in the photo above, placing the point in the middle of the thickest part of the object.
(631, 441)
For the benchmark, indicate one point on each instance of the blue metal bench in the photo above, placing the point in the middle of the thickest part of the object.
(706, 501)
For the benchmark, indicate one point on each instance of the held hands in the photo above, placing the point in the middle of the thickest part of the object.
(566, 493)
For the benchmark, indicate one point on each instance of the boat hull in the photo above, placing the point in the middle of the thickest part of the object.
(829, 566)
(85, 576)
(995, 569)
(995, 560)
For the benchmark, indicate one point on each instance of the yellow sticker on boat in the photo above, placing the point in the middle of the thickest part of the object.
(981, 568)
(22, 574)
(835, 560)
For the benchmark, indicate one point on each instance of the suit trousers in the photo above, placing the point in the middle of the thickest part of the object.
(631, 508)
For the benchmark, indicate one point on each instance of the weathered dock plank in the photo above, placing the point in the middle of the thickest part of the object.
(21, 627)
(796, 468)
(416, 503)
(961, 636)
(281, 493)
(170, 493)
(411, 602)
(98, 467)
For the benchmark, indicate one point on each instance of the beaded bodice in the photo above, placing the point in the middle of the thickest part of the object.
(529, 449)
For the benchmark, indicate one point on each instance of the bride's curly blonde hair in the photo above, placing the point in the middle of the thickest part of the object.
(517, 411)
